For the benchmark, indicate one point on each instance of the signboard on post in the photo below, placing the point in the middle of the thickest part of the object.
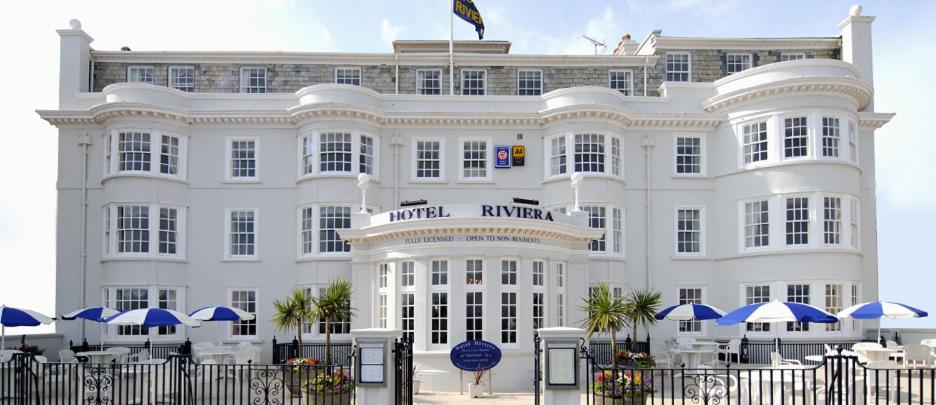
(518, 153)
(502, 157)
(475, 355)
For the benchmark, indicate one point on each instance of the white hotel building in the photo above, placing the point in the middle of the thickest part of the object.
(724, 171)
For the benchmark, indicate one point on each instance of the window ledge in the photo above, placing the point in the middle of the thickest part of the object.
(333, 175)
(145, 175)
(792, 251)
(691, 257)
(241, 260)
(143, 258)
(601, 256)
(469, 181)
(325, 257)
(600, 176)
(242, 181)
(769, 165)
(701, 176)
(429, 181)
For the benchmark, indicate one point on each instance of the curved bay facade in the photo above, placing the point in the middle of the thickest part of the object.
(756, 186)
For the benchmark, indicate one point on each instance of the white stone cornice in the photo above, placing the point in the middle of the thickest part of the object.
(449, 226)
(873, 120)
(859, 92)
(661, 42)
(335, 58)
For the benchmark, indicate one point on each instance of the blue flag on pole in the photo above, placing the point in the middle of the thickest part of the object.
(466, 10)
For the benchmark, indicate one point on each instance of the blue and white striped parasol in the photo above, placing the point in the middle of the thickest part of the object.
(881, 309)
(97, 314)
(152, 317)
(221, 313)
(12, 317)
(777, 311)
(689, 312)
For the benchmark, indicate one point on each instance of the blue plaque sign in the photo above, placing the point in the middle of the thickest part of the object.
(502, 158)
(475, 355)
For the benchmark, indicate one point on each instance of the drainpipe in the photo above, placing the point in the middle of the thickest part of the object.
(396, 73)
(648, 208)
(646, 62)
(396, 141)
(84, 142)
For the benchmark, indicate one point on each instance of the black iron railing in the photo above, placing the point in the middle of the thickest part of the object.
(759, 352)
(601, 350)
(177, 380)
(340, 352)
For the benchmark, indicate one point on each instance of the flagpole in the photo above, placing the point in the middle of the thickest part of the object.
(451, 51)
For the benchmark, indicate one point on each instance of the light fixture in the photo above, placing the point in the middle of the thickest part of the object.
(518, 200)
(413, 202)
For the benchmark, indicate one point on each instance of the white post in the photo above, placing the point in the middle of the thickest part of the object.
(576, 183)
(451, 51)
(563, 371)
(363, 182)
(74, 63)
(373, 339)
(856, 45)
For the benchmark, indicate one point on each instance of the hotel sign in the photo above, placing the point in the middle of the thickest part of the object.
(497, 211)
(502, 157)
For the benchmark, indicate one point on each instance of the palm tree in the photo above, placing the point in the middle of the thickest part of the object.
(641, 306)
(605, 313)
(334, 305)
(295, 310)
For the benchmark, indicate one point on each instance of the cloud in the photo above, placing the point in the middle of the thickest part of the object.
(389, 32)
(602, 28)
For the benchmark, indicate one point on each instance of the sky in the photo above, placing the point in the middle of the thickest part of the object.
(905, 170)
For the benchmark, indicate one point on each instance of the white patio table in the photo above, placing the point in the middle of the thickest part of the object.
(97, 357)
(692, 357)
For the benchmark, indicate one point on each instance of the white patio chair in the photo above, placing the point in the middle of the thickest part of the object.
(776, 360)
(673, 355)
(244, 345)
(733, 347)
(881, 379)
(142, 355)
(67, 356)
(685, 342)
(928, 342)
(918, 355)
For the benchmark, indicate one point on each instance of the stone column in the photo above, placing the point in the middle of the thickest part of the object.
(557, 388)
(74, 65)
(375, 393)
(856, 45)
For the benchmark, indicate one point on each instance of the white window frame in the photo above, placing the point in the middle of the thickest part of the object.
(560, 272)
(438, 289)
(749, 63)
(476, 316)
(256, 313)
(228, 254)
(488, 159)
(628, 89)
(112, 157)
(153, 210)
(610, 239)
(360, 74)
(836, 139)
(132, 68)
(542, 80)
(743, 225)
(244, 80)
(611, 162)
(315, 229)
(229, 160)
(483, 82)
(108, 297)
(742, 155)
(809, 221)
(853, 144)
(666, 70)
(420, 82)
(312, 160)
(826, 222)
(174, 73)
(562, 167)
(702, 165)
(385, 285)
(703, 329)
(810, 132)
(791, 56)
(834, 328)
(483, 276)
(854, 223)
(758, 327)
(701, 209)
(442, 160)
(804, 327)
(538, 271)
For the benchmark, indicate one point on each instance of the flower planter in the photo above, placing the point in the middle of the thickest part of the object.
(328, 398)
(416, 385)
(637, 398)
(476, 390)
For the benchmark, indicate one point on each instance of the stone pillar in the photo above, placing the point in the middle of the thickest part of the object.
(74, 63)
(372, 339)
(562, 345)
(856, 45)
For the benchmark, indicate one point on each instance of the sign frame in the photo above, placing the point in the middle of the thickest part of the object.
(475, 347)
(518, 155)
(502, 162)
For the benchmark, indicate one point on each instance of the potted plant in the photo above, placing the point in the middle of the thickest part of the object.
(476, 389)
(334, 305)
(635, 359)
(623, 386)
(295, 311)
(330, 388)
(606, 313)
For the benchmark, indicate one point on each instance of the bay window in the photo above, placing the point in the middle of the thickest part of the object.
(338, 153)
(143, 230)
(591, 153)
(598, 218)
(125, 298)
(147, 152)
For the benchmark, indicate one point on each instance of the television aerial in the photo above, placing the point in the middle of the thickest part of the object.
(596, 43)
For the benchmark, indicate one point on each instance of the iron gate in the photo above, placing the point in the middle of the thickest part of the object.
(537, 368)
(403, 371)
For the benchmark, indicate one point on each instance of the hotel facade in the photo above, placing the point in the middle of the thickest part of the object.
(723, 171)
